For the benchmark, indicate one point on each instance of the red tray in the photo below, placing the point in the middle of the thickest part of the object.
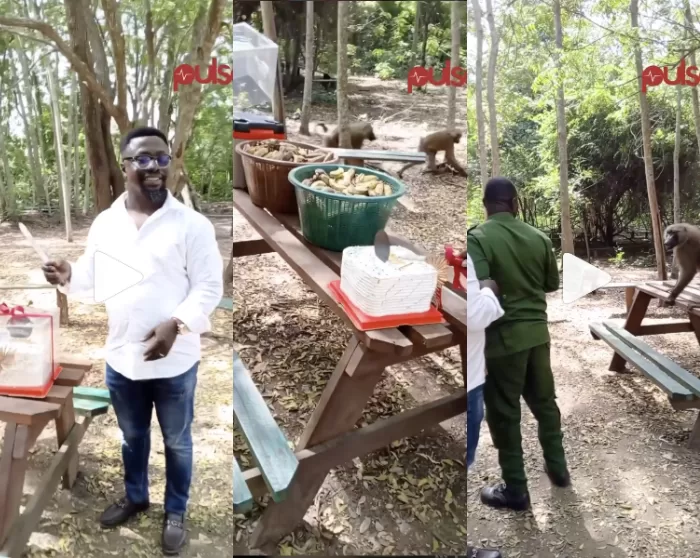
(363, 322)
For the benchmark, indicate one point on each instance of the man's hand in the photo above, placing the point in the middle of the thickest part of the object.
(57, 272)
(489, 283)
(161, 339)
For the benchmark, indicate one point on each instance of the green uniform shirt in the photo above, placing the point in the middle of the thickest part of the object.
(520, 259)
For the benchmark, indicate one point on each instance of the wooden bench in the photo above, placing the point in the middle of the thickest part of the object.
(226, 304)
(681, 387)
(23, 426)
(270, 449)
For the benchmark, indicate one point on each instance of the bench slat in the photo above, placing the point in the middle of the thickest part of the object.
(242, 497)
(379, 155)
(226, 304)
(674, 390)
(89, 407)
(96, 394)
(268, 445)
(682, 376)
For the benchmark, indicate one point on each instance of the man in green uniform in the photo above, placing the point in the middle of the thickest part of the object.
(519, 258)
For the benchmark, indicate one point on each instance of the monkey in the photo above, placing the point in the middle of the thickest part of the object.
(359, 132)
(328, 85)
(444, 140)
(684, 240)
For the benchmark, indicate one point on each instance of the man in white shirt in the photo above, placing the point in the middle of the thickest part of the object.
(482, 309)
(153, 345)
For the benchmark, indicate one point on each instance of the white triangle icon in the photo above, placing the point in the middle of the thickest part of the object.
(113, 277)
(581, 278)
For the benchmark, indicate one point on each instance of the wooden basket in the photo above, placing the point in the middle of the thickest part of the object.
(267, 179)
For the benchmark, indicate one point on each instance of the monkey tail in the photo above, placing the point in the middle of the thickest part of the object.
(322, 126)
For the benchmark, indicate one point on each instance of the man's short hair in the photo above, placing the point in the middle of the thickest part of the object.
(499, 189)
(142, 132)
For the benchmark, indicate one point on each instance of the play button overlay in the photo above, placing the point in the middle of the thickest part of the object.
(581, 278)
(113, 277)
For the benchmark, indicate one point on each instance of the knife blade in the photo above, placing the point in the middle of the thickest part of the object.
(25, 231)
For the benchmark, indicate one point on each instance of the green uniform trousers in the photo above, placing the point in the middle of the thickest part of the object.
(528, 374)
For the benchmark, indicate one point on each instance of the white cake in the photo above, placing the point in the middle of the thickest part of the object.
(404, 284)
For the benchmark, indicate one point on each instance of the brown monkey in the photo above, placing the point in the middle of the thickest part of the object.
(359, 133)
(684, 240)
(444, 140)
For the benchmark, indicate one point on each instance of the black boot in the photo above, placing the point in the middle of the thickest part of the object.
(120, 512)
(557, 479)
(482, 553)
(504, 497)
(174, 534)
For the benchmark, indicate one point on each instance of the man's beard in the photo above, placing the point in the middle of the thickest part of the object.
(158, 196)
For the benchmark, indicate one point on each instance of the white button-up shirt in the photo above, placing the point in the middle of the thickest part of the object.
(482, 309)
(177, 253)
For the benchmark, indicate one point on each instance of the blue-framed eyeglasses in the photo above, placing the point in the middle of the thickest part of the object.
(144, 161)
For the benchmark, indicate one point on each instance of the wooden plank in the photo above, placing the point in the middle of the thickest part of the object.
(683, 377)
(96, 394)
(666, 328)
(661, 378)
(243, 248)
(378, 435)
(74, 362)
(314, 273)
(27, 411)
(25, 524)
(90, 407)
(429, 336)
(265, 439)
(226, 304)
(378, 155)
(70, 377)
(242, 497)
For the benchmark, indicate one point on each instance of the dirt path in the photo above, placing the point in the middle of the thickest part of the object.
(69, 525)
(635, 483)
(408, 499)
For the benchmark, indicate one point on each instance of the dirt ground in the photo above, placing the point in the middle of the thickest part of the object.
(408, 499)
(69, 527)
(635, 483)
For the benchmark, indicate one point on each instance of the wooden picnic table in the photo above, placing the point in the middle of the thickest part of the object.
(330, 438)
(24, 420)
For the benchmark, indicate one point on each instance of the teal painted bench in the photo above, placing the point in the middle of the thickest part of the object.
(226, 304)
(268, 445)
(90, 401)
(681, 387)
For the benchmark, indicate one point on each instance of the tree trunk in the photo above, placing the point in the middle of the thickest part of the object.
(676, 161)
(64, 192)
(646, 141)
(268, 17)
(309, 70)
(416, 31)
(491, 91)
(7, 190)
(165, 105)
(342, 93)
(207, 27)
(479, 97)
(456, 43)
(693, 62)
(107, 178)
(567, 234)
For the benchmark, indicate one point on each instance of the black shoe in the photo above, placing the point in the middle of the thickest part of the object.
(120, 512)
(174, 534)
(560, 480)
(482, 553)
(503, 497)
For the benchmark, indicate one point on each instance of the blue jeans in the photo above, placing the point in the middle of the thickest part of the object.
(475, 416)
(173, 399)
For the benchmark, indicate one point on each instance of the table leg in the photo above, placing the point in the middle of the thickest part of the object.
(64, 424)
(339, 409)
(13, 467)
(633, 323)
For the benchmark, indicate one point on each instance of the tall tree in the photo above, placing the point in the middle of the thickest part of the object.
(479, 97)
(308, 70)
(655, 214)
(491, 90)
(343, 109)
(567, 234)
(455, 14)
